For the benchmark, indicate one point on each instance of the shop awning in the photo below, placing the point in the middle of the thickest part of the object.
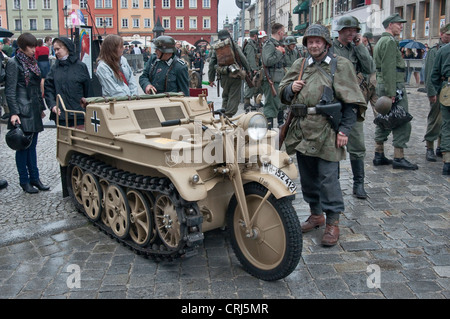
(304, 6)
(301, 26)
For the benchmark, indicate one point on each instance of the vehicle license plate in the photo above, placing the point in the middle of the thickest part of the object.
(278, 173)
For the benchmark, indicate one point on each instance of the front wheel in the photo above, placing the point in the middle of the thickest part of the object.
(273, 249)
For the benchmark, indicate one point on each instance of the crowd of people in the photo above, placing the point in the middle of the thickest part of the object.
(341, 75)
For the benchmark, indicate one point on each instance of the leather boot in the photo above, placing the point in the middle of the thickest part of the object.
(40, 186)
(313, 222)
(3, 184)
(446, 167)
(400, 162)
(331, 234)
(247, 105)
(380, 159)
(358, 178)
(438, 151)
(430, 157)
(29, 189)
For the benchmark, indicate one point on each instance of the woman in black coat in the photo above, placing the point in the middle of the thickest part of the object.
(68, 77)
(24, 97)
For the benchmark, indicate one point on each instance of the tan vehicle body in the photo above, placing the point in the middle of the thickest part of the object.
(127, 136)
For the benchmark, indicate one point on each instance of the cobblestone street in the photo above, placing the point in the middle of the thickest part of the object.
(400, 234)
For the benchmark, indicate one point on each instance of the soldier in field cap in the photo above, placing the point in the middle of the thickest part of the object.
(390, 80)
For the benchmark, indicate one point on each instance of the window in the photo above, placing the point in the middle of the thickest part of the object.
(147, 23)
(99, 22)
(47, 24)
(135, 4)
(108, 4)
(193, 23)
(193, 4)
(135, 22)
(108, 22)
(33, 24)
(443, 8)
(18, 24)
(206, 4)
(124, 4)
(179, 4)
(166, 22)
(166, 4)
(206, 22)
(180, 23)
(99, 3)
(124, 23)
(46, 4)
(147, 4)
(31, 4)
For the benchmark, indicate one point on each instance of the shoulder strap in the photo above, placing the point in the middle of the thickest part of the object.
(302, 68)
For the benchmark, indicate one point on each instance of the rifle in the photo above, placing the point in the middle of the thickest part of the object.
(272, 87)
(285, 127)
(248, 78)
(218, 84)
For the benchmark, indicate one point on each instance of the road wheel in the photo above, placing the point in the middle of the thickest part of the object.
(92, 197)
(117, 210)
(141, 222)
(74, 177)
(273, 249)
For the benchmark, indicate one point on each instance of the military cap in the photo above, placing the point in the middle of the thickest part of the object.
(348, 22)
(446, 29)
(254, 32)
(368, 35)
(393, 18)
(223, 34)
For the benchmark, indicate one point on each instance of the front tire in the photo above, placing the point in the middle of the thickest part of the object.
(274, 248)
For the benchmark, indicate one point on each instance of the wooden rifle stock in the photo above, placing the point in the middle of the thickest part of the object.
(285, 127)
(272, 87)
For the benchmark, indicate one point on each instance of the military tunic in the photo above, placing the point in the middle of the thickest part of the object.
(434, 118)
(441, 70)
(231, 94)
(390, 78)
(251, 52)
(363, 63)
(290, 57)
(166, 76)
(273, 60)
(312, 136)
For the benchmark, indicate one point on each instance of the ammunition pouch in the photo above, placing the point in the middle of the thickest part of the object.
(299, 110)
(333, 113)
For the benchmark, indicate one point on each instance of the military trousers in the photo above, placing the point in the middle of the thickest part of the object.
(356, 146)
(401, 134)
(445, 129)
(434, 122)
(321, 188)
(272, 104)
(249, 92)
(231, 94)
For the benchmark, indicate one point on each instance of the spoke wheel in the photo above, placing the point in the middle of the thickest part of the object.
(141, 223)
(273, 248)
(92, 196)
(117, 210)
(167, 223)
(104, 185)
(75, 176)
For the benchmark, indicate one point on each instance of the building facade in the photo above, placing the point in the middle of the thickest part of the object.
(3, 15)
(194, 21)
(135, 20)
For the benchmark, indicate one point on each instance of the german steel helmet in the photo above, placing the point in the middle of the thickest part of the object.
(165, 44)
(317, 30)
(17, 139)
(223, 34)
(383, 105)
(290, 40)
(348, 22)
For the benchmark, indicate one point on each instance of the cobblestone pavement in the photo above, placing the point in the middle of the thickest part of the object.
(399, 235)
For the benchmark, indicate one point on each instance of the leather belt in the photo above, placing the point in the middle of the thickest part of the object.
(397, 69)
(301, 110)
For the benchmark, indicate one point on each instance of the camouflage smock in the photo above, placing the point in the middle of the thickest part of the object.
(313, 135)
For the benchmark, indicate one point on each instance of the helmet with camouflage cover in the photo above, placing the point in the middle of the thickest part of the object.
(165, 44)
(348, 22)
(317, 30)
(383, 105)
(290, 40)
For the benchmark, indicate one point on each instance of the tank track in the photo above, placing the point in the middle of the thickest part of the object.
(190, 219)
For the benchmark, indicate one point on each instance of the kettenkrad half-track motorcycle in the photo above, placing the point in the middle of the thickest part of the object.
(158, 171)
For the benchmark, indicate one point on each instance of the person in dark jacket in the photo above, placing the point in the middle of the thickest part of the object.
(68, 77)
(23, 94)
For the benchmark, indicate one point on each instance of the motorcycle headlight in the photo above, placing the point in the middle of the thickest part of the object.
(255, 124)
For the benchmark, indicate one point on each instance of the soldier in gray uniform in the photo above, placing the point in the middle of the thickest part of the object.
(229, 64)
(251, 52)
(273, 62)
(319, 146)
(292, 53)
(434, 119)
(165, 71)
(349, 45)
(440, 78)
